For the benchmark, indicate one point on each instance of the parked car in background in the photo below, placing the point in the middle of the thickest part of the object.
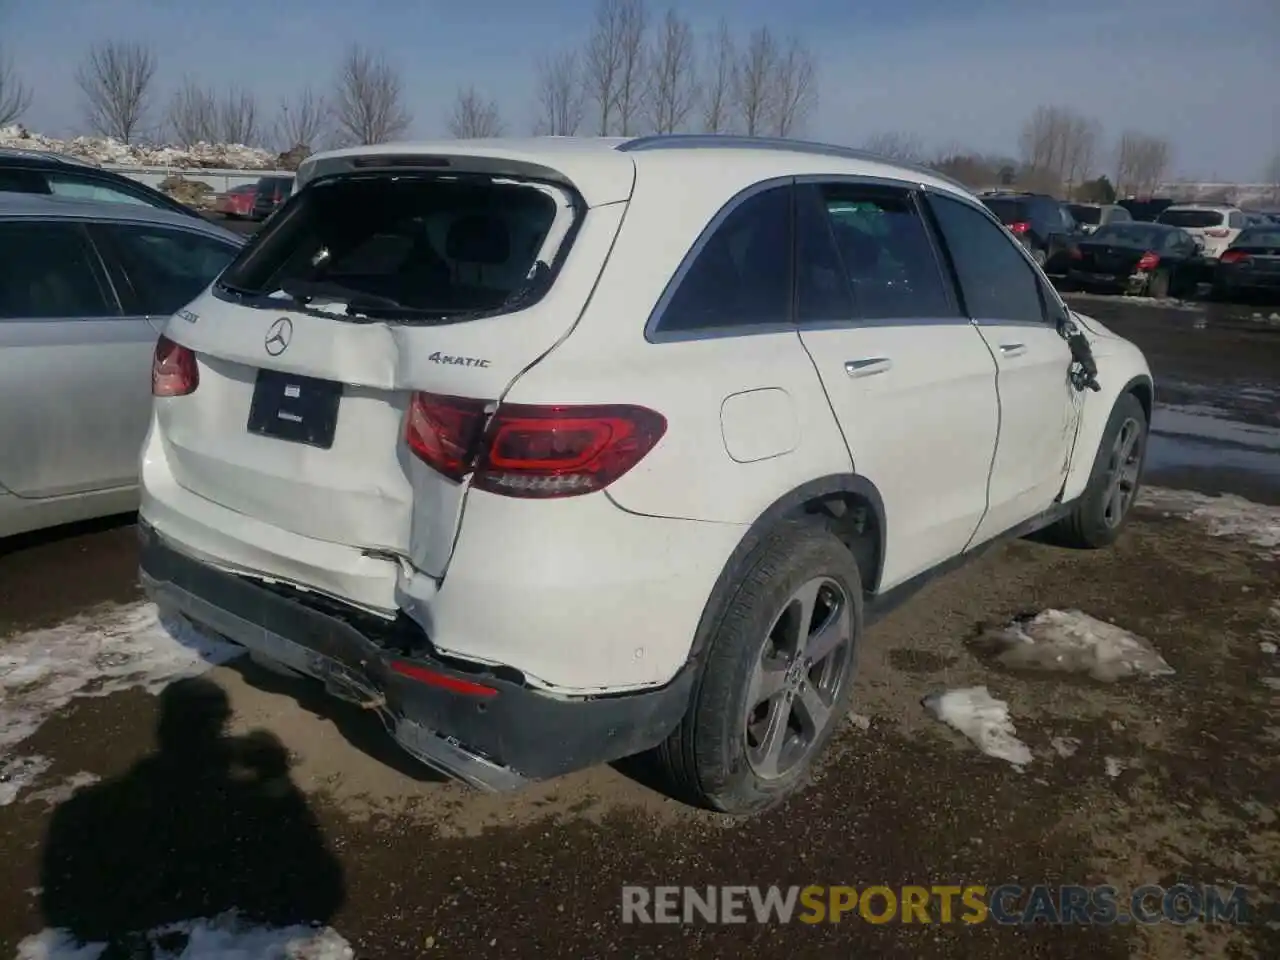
(1145, 209)
(1043, 225)
(1151, 259)
(1090, 216)
(269, 193)
(237, 202)
(84, 290)
(476, 398)
(52, 174)
(1251, 264)
(1217, 226)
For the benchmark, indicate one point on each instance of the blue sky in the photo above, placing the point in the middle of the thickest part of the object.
(966, 71)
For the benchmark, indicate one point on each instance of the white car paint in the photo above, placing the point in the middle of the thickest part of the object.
(1216, 237)
(604, 592)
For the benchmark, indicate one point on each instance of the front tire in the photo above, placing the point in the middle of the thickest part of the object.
(1103, 509)
(777, 678)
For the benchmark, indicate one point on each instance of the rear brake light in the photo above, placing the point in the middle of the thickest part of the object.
(532, 451)
(442, 680)
(173, 370)
(1020, 227)
(1218, 232)
(1233, 256)
(1149, 261)
(1075, 254)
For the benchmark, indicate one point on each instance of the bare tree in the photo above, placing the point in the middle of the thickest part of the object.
(1081, 151)
(192, 114)
(718, 96)
(1271, 176)
(15, 96)
(892, 145)
(1141, 163)
(368, 101)
(1059, 146)
(754, 93)
(673, 87)
(115, 81)
(560, 95)
(302, 121)
(238, 119)
(614, 65)
(795, 88)
(474, 117)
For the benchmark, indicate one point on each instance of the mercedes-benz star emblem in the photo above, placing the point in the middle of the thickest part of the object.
(278, 336)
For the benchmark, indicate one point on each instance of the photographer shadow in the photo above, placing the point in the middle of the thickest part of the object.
(206, 824)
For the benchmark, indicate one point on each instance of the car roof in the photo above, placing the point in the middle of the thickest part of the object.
(600, 167)
(43, 157)
(44, 207)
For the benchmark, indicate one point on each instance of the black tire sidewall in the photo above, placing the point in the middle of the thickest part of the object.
(796, 553)
(1092, 505)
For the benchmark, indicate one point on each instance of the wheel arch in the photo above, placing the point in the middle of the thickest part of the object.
(848, 504)
(1140, 386)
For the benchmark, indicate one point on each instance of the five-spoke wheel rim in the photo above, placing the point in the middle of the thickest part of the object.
(800, 673)
(1122, 473)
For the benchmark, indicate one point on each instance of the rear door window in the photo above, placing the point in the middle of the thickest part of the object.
(87, 188)
(164, 268)
(996, 281)
(741, 276)
(406, 244)
(23, 181)
(51, 271)
(885, 253)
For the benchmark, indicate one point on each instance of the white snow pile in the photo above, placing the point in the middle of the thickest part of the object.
(224, 937)
(99, 150)
(983, 719)
(1070, 641)
(112, 649)
(1225, 516)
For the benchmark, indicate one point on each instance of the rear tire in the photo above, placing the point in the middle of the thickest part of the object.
(788, 641)
(1103, 509)
(1159, 284)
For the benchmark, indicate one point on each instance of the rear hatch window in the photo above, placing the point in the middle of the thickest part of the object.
(1009, 211)
(1192, 219)
(406, 248)
(1083, 214)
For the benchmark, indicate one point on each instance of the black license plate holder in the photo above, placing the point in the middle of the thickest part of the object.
(298, 409)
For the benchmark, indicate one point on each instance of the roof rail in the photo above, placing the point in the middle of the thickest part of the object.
(732, 141)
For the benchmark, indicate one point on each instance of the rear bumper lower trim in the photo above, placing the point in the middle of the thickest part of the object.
(494, 743)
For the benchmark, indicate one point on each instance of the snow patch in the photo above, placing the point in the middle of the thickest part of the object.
(100, 150)
(1065, 746)
(62, 792)
(1114, 766)
(983, 719)
(1225, 516)
(1070, 641)
(101, 653)
(224, 937)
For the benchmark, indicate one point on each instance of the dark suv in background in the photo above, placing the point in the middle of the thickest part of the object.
(1042, 223)
(271, 192)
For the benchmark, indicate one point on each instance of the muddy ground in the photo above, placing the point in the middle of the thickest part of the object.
(1173, 779)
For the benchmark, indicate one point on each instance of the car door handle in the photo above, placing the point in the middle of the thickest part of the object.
(867, 367)
(1013, 349)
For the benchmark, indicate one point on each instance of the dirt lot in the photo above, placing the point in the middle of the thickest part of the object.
(315, 818)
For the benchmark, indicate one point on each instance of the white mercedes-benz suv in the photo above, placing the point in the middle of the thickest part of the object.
(556, 451)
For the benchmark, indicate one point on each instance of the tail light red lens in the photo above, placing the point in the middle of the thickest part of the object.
(528, 451)
(1020, 227)
(1075, 254)
(174, 372)
(1149, 261)
(1233, 256)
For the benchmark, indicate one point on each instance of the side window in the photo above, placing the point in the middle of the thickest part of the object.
(87, 188)
(167, 268)
(1120, 215)
(742, 275)
(997, 281)
(50, 271)
(1235, 220)
(884, 252)
(22, 181)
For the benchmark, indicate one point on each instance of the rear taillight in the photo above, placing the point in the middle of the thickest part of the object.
(1075, 254)
(1233, 256)
(531, 451)
(173, 370)
(1149, 261)
(1218, 232)
(1019, 228)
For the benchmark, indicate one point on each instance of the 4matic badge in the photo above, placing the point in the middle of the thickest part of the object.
(439, 357)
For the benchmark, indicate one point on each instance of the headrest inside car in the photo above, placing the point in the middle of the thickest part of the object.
(478, 239)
